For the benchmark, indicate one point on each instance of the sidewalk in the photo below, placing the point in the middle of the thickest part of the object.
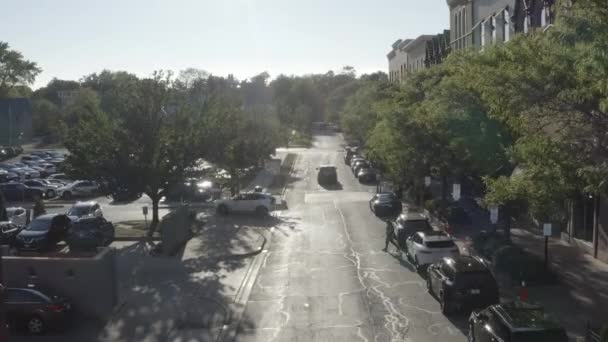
(582, 292)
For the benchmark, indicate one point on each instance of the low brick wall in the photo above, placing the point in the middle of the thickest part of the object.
(89, 283)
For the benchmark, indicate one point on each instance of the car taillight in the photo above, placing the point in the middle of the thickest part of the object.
(56, 307)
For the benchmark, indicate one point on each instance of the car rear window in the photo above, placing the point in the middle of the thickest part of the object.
(440, 244)
(416, 225)
(554, 335)
(85, 225)
(479, 277)
(39, 225)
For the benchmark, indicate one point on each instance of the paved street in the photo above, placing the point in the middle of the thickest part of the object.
(325, 277)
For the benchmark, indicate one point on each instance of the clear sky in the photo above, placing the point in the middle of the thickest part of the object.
(72, 38)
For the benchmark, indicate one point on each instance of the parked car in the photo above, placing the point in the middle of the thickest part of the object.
(254, 202)
(30, 157)
(408, 224)
(361, 164)
(88, 233)
(85, 209)
(18, 192)
(514, 322)
(354, 160)
(78, 188)
(34, 310)
(41, 171)
(49, 190)
(59, 176)
(125, 195)
(462, 282)
(17, 215)
(189, 190)
(350, 153)
(210, 189)
(8, 232)
(43, 233)
(425, 248)
(327, 175)
(385, 205)
(8, 176)
(367, 175)
(57, 182)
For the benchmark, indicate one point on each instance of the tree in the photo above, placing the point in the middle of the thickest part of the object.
(15, 70)
(144, 145)
(46, 117)
(3, 215)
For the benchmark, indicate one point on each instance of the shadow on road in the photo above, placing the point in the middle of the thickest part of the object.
(332, 187)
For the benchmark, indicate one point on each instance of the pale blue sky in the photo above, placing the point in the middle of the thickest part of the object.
(72, 38)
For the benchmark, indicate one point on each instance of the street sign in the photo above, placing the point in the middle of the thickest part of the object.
(456, 192)
(547, 229)
(494, 215)
(144, 210)
(427, 181)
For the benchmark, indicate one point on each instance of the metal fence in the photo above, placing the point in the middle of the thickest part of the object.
(592, 334)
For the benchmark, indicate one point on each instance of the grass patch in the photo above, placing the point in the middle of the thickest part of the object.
(280, 180)
(132, 229)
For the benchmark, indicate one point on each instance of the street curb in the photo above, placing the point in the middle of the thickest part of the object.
(229, 331)
(252, 253)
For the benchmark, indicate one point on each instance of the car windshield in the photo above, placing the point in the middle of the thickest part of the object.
(79, 210)
(554, 335)
(39, 225)
(440, 244)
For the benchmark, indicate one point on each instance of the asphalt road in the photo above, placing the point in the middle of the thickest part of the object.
(325, 276)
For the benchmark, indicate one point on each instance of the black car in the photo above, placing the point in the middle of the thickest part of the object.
(8, 233)
(385, 205)
(18, 192)
(89, 233)
(43, 233)
(514, 322)
(327, 175)
(121, 194)
(358, 165)
(462, 282)
(367, 175)
(35, 311)
(350, 153)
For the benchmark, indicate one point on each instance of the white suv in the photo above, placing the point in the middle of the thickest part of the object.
(425, 248)
(251, 202)
(78, 188)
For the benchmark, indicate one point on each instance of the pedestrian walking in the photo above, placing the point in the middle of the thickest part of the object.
(389, 235)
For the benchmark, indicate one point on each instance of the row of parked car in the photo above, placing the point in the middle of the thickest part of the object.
(7, 152)
(83, 227)
(461, 283)
(361, 167)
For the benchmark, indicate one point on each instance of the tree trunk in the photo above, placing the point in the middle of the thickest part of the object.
(507, 213)
(3, 216)
(444, 187)
(234, 181)
(155, 220)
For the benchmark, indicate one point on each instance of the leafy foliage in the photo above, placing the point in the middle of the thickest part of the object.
(15, 70)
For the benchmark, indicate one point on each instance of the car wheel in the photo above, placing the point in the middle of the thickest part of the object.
(66, 195)
(222, 209)
(471, 334)
(35, 325)
(261, 211)
(50, 193)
